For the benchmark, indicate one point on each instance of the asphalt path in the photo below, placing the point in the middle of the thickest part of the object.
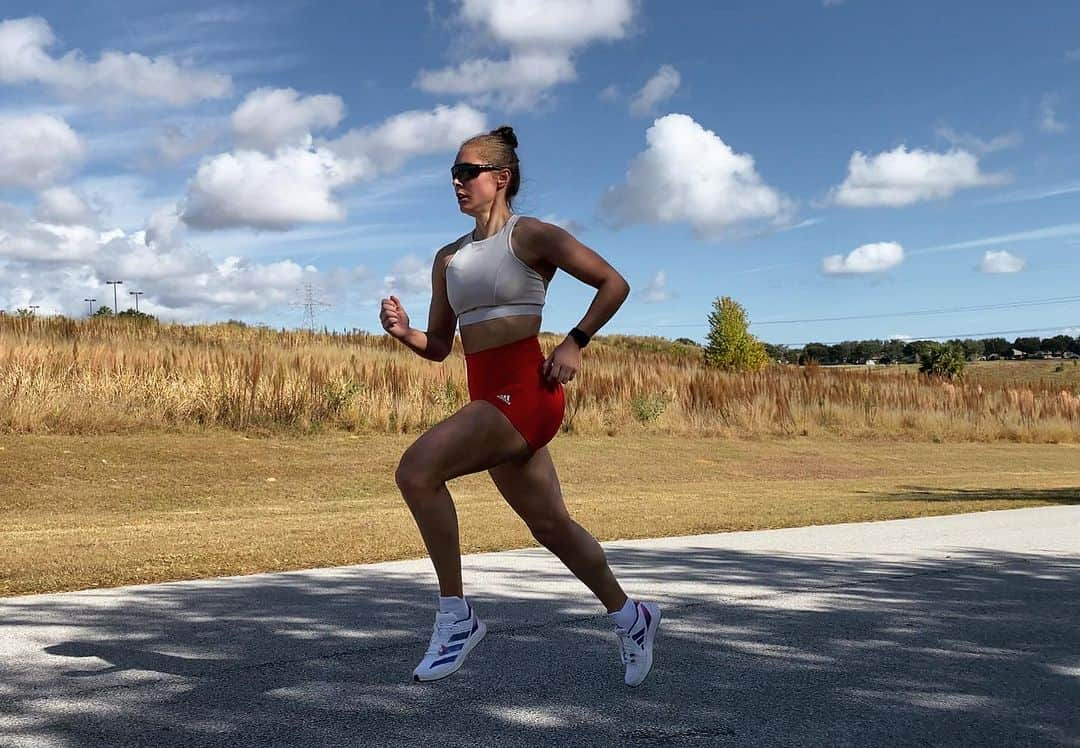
(956, 630)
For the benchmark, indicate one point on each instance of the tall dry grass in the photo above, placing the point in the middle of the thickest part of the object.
(108, 375)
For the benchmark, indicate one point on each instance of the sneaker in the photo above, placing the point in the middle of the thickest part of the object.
(636, 643)
(451, 641)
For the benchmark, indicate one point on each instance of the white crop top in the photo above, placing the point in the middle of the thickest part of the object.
(485, 279)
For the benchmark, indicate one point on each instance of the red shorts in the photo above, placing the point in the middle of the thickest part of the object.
(509, 377)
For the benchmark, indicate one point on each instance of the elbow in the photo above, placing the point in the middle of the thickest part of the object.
(621, 283)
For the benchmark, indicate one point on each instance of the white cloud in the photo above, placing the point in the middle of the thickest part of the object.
(661, 86)
(1001, 262)
(250, 188)
(297, 185)
(36, 150)
(611, 93)
(979, 145)
(390, 144)
(901, 177)
(657, 289)
(63, 206)
(688, 173)
(869, 258)
(24, 59)
(60, 266)
(271, 117)
(541, 38)
(1048, 121)
(175, 143)
(411, 276)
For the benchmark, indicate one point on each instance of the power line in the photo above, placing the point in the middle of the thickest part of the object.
(957, 336)
(913, 313)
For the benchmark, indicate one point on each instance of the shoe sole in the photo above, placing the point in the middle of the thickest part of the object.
(650, 637)
(481, 629)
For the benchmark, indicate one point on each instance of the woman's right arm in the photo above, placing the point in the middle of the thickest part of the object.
(435, 343)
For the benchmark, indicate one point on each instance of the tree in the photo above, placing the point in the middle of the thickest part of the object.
(814, 352)
(730, 345)
(23, 312)
(1000, 346)
(942, 360)
(104, 311)
(1028, 345)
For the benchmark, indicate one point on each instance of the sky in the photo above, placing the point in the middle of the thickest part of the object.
(844, 169)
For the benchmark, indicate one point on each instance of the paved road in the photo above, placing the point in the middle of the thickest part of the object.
(959, 630)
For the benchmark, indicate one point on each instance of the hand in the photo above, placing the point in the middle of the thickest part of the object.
(563, 363)
(393, 317)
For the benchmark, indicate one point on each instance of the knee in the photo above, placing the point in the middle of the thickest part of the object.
(553, 532)
(413, 474)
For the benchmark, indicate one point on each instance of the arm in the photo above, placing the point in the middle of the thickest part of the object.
(558, 247)
(437, 341)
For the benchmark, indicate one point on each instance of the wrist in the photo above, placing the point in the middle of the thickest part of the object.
(579, 336)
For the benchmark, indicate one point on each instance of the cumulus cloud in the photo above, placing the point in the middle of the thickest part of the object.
(251, 188)
(541, 39)
(687, 173)
(869, 258)
(36, 150)
(295, 185)
(901, 177)
(661, 86)
(410, 276)
(60, 266)
(385, 147)
(174, 143)
(1001, 262)
(271, 117)
(1048, 119)
(657, 289)
(63, 206)
(24, 59)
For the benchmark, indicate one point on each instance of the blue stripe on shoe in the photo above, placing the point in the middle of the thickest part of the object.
(459, 637)
(455, 648)
(648, 618)
(443, 661)
(475, 626)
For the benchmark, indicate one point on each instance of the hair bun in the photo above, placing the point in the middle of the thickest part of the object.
(507, 134)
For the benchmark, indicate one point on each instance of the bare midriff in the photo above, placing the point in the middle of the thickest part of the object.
(492, 333)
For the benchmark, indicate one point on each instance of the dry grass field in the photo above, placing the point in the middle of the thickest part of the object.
(107, 510)
(144, 452)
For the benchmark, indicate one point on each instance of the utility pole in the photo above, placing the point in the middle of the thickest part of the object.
(114, 284)
(34, 308)
(136, 294)
(91, 303)
(310, 303)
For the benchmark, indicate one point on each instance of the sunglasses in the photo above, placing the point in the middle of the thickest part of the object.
(466, 172)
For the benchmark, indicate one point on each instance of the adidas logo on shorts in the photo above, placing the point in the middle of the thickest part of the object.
(504, 398)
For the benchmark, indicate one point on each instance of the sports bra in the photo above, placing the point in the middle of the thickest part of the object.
(486, 280)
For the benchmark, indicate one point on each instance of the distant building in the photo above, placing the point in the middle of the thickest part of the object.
(1014, 353)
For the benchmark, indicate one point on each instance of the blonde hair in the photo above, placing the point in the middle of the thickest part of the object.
(498, 147)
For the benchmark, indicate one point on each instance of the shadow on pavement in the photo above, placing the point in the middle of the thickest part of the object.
(980, 648)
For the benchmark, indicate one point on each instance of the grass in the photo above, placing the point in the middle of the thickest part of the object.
(91, 511)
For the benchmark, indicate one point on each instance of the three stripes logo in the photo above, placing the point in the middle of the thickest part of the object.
(504, 398)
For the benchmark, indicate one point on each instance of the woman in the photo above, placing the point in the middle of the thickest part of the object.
(493, 281)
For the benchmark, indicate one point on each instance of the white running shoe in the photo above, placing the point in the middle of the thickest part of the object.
(636, 643)
(451, 641)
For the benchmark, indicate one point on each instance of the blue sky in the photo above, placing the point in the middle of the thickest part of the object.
(810, 159)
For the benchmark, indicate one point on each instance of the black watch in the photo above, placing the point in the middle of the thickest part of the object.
(580, 337)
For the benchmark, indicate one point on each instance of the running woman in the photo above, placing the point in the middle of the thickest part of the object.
(493, 281)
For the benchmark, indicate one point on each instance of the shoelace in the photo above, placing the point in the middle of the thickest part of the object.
(439, 634)
(628, 648)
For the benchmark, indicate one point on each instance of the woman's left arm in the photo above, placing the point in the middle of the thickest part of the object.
(558, 247)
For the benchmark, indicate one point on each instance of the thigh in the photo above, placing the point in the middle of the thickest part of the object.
(475, 438)
(531, 487)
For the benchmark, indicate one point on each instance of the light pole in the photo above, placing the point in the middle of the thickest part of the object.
(114, 284)
(34, 308)
(91, 303)
(136, 294)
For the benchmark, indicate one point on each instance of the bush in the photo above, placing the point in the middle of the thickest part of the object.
(945, 361)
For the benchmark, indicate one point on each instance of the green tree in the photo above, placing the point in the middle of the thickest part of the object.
(103, 311)
(942, 361)
(23, 312)
(730, 345)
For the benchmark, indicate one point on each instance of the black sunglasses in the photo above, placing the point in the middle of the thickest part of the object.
(466, 172)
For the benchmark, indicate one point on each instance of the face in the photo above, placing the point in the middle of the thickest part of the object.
(475, 195)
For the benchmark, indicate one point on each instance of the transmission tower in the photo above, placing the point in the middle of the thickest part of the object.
(310, 303)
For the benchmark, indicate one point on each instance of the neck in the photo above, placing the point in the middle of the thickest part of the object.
(491, 221)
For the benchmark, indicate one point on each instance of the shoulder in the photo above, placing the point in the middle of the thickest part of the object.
(533, 233)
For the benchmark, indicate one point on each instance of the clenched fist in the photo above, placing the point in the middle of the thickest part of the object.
(393, 318)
